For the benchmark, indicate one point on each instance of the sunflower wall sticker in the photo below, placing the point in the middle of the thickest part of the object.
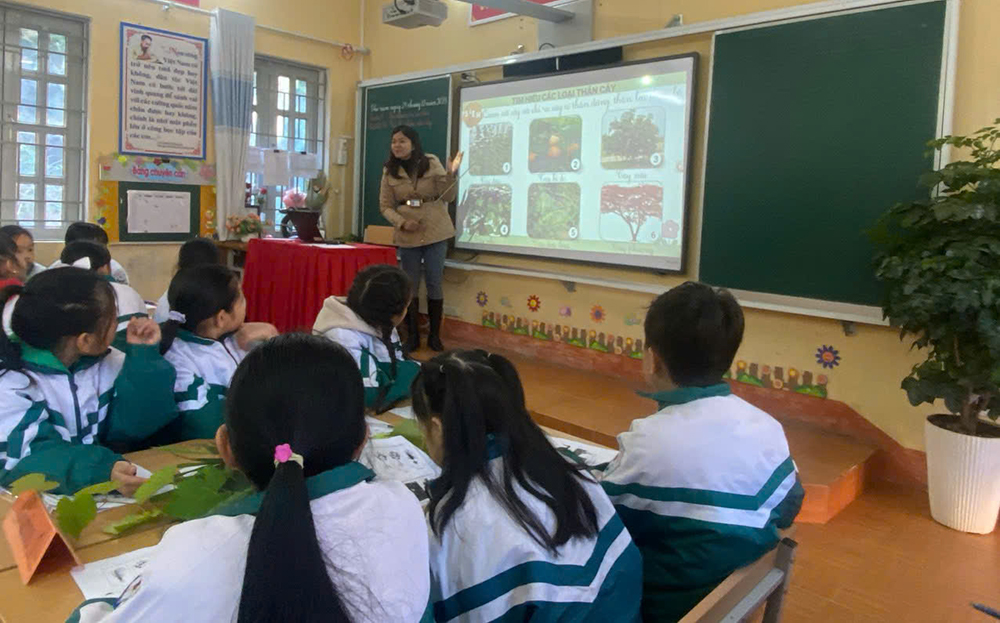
(597, 313)
(828, 357)
(534, 303)
(482, 299)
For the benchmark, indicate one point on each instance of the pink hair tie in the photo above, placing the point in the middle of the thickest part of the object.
(283, 453)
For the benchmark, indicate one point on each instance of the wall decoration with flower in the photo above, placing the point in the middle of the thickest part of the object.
(597, 314)
(828, 357)
(780, 378)
(534, 303)
(482, 298)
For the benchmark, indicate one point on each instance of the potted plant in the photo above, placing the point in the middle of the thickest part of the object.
(245, 226)
(940, 262)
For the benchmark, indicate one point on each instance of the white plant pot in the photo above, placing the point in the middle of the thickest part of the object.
(963, 479)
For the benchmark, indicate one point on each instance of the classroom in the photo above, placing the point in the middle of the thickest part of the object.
(355, 255)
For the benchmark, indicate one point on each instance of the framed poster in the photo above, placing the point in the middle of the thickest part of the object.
(163, 93)
(479, 14)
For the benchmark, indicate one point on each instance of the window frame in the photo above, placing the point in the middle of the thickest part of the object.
(75, 31)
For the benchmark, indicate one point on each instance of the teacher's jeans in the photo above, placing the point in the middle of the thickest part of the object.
(432, 257)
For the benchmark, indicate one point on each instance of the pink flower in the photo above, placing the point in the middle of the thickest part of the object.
(294, 198)
(282, 453)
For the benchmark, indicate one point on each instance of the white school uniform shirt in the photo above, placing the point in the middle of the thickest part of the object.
(338, 323)
(162, 313)
(117, 271)
(486, 567)
(373, 535)
(130, 304)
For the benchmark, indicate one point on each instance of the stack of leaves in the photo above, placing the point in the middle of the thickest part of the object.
(940, 262)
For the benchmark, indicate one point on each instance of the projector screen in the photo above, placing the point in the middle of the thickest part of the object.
(588, 166)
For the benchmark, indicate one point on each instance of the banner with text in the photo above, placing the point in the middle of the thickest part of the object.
(162, 102)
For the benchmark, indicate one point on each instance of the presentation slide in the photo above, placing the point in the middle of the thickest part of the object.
(588, 166)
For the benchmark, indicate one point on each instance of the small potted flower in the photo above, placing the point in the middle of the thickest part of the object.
(300, 220)
(245, 226)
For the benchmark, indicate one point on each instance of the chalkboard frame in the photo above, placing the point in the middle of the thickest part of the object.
(195, 212)
(686, 230)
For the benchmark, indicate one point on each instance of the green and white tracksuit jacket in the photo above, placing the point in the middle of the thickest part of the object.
(485, 567)
(338, 323)
(204, 369)
(703, 486)
(58, 421)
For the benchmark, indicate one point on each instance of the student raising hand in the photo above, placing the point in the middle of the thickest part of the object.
(143, 331)
(123, 473)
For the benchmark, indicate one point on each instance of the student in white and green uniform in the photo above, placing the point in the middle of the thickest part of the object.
(365, 324)
(205, 338)
(705, 484)
(518, 533)
(66, 398)
(320, 541)
(95, 257)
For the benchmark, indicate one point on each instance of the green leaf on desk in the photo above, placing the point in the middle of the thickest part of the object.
(159, 479)
(73, 514)
(32, 482)
(133, 521)
(99, 488)
(195, 496)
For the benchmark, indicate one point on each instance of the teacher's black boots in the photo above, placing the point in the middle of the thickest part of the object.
(435, 309)
(412, 331)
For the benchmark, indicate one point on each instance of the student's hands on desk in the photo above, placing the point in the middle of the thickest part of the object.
(123, 473)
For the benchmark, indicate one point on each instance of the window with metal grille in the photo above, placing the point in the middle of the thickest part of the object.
(289, 113)
(42, 137)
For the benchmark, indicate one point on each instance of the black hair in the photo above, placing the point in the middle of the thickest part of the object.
(378, 293)
(98, 254)
(55, 304)
(417, 163)
(82, 230)
(8, 250)
(199, 293)
(695, 330)
(16, 230)
(477, 394)
(307, 392)
(197, 251)
(145, 37)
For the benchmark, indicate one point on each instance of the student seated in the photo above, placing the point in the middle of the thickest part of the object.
(705, 484)
(25, 243)
(12, 268)
(95, 257)
(365, 324)
(92, 232)
(518, 532)
(319, 542)
(64, 395)
(205, 338)
(194, 252)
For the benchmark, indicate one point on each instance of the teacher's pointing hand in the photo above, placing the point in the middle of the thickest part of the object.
(456, 163)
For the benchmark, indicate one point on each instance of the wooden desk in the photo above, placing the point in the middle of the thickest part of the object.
(53, 596)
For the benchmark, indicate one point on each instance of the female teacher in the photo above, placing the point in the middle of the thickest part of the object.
(414, 197)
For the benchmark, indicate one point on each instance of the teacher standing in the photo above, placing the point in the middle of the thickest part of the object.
(416, 190)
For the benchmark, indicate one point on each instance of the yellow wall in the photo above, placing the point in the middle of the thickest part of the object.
(874, 361)
(150, 266)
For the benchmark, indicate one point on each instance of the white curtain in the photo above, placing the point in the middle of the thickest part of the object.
(231, 62)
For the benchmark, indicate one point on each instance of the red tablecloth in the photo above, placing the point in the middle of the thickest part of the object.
(286, 281)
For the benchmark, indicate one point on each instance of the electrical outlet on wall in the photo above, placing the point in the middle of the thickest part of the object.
(341, 150)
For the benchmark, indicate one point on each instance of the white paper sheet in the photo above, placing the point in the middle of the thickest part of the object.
(303, 165)
(404, 412)
(159, 212)
(395, 458)
(276, 171)
(377, 427)
(588, 453)
(111, 576)
(255, 159)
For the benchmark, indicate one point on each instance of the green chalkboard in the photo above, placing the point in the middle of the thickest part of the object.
(816, 128)
(423, 104)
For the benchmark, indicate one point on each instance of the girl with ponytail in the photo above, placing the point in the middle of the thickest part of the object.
(365, 324)
(205, 338)
(319, 542)
(67, 400)
(518, 532)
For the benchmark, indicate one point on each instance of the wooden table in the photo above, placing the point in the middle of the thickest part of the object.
(53, 596)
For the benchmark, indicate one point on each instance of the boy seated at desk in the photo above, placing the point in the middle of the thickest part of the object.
(705, 484)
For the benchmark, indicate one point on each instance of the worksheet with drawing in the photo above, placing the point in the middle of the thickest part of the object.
(159, 212)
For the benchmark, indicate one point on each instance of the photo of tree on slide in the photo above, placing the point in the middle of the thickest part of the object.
(490, 147)
(633, 139)
(554, 144)
(487, 211)
(631, 212)
(554, 211)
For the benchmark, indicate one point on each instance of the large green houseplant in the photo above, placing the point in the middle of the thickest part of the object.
(940, 262)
